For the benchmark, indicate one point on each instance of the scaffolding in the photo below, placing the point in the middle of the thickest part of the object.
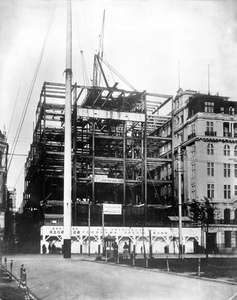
(121, 153)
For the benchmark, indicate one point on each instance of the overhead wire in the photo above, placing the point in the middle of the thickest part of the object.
(18, 177)
(30, 91)
(18, 91)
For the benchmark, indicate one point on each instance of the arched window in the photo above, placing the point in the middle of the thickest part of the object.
(210, 149)
(227, 216)
(235, 151)
(226, 151)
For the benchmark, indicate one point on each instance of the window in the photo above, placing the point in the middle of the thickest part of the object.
(209, 107)
(222, 110)
(231, 110)
(177, 120)
(227, 239)
(226, 151)
(193, 191)
(209, 126)
(226, 129)
(192, 170)
(210, 169)
(235, 150)
(235, 170)
(210, 190)
(235, 129)
(235, 190)
(193, 149)
(227, 191)
(226, 170)
(227, 216)
(210, 149)
(193, 128)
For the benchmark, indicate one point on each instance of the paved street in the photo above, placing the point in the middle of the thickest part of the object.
(53, 278)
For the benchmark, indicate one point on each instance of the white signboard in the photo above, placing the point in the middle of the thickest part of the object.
(105, 179)
(112, 209)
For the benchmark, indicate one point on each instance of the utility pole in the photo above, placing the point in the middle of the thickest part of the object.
(180, 204)
(67, 201)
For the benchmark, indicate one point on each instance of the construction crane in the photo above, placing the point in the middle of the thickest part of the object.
(96, 68)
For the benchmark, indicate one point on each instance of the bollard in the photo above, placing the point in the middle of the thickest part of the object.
(5, 260)
(199, 267)
(24, 284)
(167, 263)
(21, 272)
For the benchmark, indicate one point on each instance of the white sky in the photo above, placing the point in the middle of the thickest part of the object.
(143, 40)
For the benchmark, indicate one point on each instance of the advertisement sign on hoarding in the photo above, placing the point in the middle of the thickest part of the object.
(112, 209)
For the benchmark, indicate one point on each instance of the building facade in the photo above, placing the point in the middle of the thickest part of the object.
(205, 132)
(3, 182)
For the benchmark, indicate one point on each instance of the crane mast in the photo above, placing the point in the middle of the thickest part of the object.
(96, 67)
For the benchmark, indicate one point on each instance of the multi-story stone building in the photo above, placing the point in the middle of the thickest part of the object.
(205, 143)
(3, 180)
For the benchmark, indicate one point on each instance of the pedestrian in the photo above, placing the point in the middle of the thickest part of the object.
(115, 246)
(53, 249)
(21, 272)
(50, 248)
(125, 250)
(44, 249)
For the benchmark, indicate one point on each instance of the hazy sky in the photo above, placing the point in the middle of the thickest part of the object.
(143, 40)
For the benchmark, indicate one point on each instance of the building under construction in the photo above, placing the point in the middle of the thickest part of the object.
(121, 154)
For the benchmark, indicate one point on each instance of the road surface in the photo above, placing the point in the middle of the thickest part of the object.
(51, 277)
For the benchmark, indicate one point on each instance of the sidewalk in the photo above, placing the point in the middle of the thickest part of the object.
(8, 287)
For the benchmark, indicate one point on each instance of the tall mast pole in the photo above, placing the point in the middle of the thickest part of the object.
(67, 201)
(208, 79)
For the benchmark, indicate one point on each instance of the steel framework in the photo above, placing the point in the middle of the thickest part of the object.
(121, 153)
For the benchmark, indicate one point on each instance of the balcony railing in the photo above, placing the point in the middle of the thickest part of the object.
(223, 222)
(210, 133)
(192, 135)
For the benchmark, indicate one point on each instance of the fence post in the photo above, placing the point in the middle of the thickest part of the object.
(146, 262)
(11, 265)
(133, 259)
(167, 263)
(199, 266)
